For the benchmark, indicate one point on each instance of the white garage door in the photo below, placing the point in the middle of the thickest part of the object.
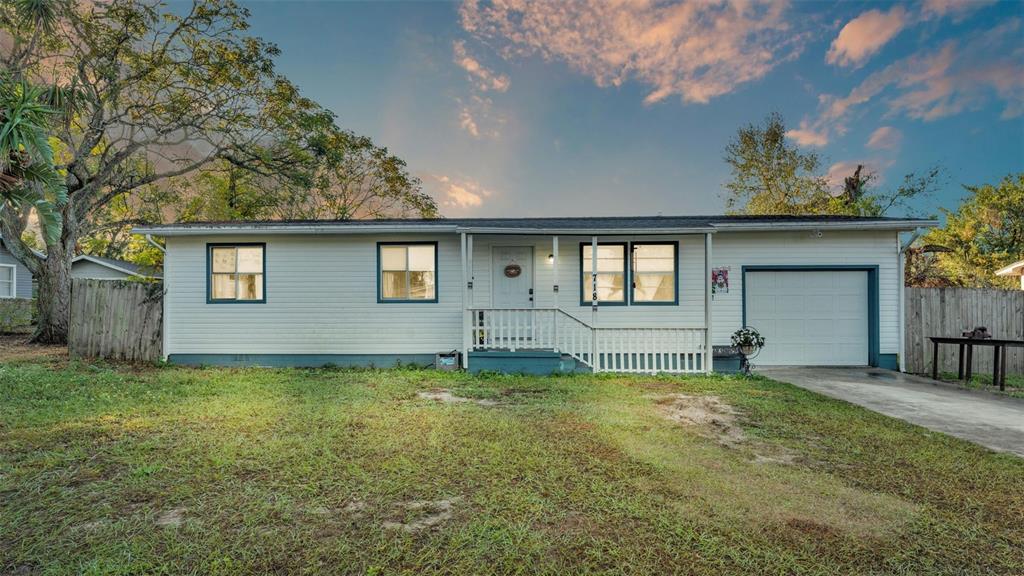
(812, 318)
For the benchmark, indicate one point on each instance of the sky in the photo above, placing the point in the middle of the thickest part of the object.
(561, 108)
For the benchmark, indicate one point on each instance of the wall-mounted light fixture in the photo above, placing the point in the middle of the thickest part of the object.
(551, 258)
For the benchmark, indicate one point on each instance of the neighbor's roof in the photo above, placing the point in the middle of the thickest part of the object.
(1015, 269)
(568, 226)
(118, 265)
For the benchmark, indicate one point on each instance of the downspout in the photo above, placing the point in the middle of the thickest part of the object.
(149, 238)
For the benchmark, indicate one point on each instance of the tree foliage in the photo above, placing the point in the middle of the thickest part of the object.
(154, 97)
(771, 175)
(985, 233)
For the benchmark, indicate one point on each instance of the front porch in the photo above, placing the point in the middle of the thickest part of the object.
(544, 303)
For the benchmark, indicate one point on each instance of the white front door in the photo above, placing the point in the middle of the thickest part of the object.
(512, 277)
(810, 318)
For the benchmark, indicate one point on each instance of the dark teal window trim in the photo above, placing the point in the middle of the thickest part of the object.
(584, 300)
(675, 284)
(873, 296)
(209, 272)
(437, 275)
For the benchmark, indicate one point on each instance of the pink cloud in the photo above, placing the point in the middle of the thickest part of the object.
(865, 35)
(461, 195)
(885, 138)
(927, 86)
(696, 51)
(484, 79)
(958, 9)
(805, 135)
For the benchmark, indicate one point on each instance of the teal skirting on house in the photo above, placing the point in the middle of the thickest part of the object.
(889, 361)
(537, 362)
(303, 360)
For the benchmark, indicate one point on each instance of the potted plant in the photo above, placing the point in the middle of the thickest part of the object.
(748, 340)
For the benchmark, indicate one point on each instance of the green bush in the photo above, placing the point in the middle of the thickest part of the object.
(15, 313)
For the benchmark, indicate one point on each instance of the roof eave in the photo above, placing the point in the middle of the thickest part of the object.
(584, 231)
(1015, 269)
(901, 225)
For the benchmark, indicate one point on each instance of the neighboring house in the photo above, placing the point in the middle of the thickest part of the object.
(15, 278)
(1015, 269)
(86, 266)
(521, 293)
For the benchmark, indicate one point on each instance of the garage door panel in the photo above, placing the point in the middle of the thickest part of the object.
(809, 317)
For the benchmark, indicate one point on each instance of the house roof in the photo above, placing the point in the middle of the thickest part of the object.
(124, 266)
(1015, 269)
(580, 225)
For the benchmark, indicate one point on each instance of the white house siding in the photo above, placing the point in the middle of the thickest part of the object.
(86, 269)
(23, 278)
(321, 294)
(689, 313)
(738, 249)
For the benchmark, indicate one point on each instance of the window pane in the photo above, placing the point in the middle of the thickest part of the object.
(421, 258)
(609, 258)
(6, 289)
(250, 259)
(392, 257)
(223, 287)
(6, 274)
(421, 286)
(250, 287)
(610, 287)
(654, 287)
(654, 258)
(392, 285)
(223, 259)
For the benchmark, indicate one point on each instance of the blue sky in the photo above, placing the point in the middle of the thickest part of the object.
(587, 108)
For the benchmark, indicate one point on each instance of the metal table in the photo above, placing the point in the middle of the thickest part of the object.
(998, 359)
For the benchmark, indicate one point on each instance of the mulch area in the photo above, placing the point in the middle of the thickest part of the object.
(17, 348)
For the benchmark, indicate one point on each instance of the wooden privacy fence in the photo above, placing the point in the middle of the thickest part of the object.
(950, 311)
(116, 319)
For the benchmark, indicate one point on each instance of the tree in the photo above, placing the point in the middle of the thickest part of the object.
(985, 233)
(158, 95)
(28, 179)
(773, 176)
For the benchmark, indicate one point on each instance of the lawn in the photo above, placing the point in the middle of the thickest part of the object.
(1014, 383)
(127, 470)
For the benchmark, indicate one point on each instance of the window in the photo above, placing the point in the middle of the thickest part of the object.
(654, 273)
(611, 273)
(6, 281)
(407, 272)
(237, 273)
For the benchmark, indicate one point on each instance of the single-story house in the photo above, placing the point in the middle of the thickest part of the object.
(15, 278)
(86, 266)
(633, 294)
(1015, 269)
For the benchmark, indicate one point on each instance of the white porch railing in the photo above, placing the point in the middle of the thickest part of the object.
(638, 350)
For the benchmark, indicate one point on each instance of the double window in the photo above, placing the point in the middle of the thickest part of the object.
(7, 281)
(237, 273)
(407, 272)
(639, 273)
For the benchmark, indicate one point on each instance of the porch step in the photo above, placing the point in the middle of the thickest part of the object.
(537, 362)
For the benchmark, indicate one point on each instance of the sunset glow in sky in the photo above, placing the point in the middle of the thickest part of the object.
(601, 108)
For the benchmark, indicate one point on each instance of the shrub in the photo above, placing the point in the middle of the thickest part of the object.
(15, 313)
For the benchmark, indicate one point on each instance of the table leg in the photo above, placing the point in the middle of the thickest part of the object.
(995, 365)
(1002, 371)
(935, 360)
(970, 358)
(960, 370)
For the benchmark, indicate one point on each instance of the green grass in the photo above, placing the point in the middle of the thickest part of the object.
(1014, 383)
(299, 471)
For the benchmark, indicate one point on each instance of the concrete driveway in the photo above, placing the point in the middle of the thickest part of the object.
(983, 418)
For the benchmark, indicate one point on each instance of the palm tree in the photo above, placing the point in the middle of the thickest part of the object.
(27, 174)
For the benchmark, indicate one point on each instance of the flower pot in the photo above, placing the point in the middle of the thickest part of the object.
(747, 350)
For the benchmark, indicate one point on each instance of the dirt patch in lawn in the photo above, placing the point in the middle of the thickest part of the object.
(419, 515)
(446, 397)
(171, 518)
(17, 348)
(708, 414)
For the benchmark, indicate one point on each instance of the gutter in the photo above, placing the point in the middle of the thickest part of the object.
(902, 225)
(149, 238)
